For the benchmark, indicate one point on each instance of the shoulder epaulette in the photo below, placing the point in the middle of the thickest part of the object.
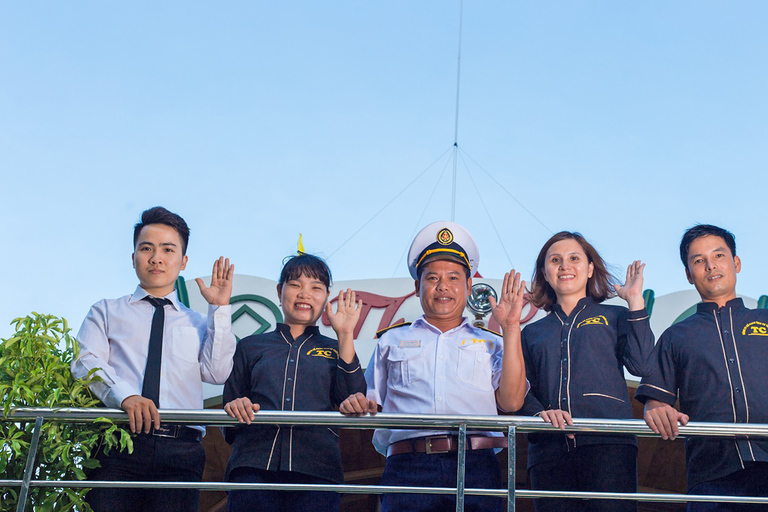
(491, 331)
(382, 331)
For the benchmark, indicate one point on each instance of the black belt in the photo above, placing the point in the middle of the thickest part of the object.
(176, 432)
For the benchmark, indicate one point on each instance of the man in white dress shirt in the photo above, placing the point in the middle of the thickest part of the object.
(152, 353)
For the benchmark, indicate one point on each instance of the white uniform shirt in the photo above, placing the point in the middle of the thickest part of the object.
(418, 369)
(115, 337)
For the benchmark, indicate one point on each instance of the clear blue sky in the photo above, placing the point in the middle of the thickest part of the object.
(627, 121)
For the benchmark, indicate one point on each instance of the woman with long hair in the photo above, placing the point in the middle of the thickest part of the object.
(575, 359)
(293, 368)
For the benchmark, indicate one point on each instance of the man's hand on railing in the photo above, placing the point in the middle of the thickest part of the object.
(663, 419)
(358, 405)
(558, 418)
(242, 409)
(141, 412)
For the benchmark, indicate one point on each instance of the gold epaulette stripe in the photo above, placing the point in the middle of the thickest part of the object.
(382, 331)
(491, 331)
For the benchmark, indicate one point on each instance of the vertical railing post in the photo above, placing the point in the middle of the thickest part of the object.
(29, 469)
(511, 467)
(462, 448)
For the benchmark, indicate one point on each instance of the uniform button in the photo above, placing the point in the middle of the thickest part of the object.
(290, 379)
(565, 359)
(564, 399)
(287, 399)
(291, 360)
(439, 377)
(731, 360)
(440, 356)
(567, 324)
(738, 390)
(726, 332)
(439, 399)
(565, 339)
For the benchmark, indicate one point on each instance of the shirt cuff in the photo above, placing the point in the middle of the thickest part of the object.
(640, 314)
(647, 392)
(219, 317)
(349, 367)
(117, 394)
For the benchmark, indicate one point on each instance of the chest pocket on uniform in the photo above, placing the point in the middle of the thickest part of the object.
(474, 366)
(405, 366)
(186, 344)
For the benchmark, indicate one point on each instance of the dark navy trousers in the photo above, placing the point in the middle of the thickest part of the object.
(750, 481)
(154, 459)
(595, 467)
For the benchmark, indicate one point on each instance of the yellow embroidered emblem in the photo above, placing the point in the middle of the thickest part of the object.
(328, 353)
(444, 236)
(755, 329)
(471, 341)
(595, 320)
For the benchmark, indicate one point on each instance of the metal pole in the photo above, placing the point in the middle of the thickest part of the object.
(21, 505)
(511, 467)
(461, 471)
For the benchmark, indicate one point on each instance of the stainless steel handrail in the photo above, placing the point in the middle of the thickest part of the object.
(508, 424)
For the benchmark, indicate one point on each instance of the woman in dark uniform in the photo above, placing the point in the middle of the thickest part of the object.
(293, 368)
(574, 360)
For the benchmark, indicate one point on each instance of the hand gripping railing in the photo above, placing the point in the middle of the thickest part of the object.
(508, 424)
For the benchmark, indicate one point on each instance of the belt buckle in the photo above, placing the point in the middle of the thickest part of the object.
(166, 431)
(428, 444)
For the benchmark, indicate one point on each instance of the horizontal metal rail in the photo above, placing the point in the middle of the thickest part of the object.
(463, 424)
(523, 424)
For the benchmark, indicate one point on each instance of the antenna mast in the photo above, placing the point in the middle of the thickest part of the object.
(456, 125)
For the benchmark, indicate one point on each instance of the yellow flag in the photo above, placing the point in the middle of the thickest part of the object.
(301, 245)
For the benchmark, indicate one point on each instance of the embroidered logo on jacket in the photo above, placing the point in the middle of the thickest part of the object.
(755, 329)
(470, 341)
(328, 353)
(595, 320)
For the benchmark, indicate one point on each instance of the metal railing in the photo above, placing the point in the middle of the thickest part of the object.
(507, 424)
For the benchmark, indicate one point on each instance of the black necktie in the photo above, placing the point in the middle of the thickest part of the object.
(151, 386)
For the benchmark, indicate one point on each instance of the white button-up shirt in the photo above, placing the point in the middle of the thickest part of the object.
(115, 338)
(418, 369)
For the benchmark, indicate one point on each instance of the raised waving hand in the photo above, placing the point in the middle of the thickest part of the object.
(220, 291)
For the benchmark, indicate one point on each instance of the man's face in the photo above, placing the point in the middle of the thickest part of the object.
(443, 290)
(158, 258)
(712, 269)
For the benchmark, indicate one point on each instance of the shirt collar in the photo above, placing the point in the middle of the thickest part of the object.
(285, 329)
(584, 301)
(706, 307)
(140, 293)
(422, 322)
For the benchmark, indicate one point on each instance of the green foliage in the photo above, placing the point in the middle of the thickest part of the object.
(35, 372)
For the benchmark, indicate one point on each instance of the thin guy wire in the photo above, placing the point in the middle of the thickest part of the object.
(418, 222)
(388, 203)
(507, 191)
(490, 218)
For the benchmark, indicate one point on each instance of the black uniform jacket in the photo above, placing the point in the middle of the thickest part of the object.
(716, 359)
(283, 374)
(576, 363)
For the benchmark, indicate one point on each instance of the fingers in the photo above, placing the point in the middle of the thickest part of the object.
(242, 409)
(558, 418)
(142, 414)
(357, 405)
(200, 283)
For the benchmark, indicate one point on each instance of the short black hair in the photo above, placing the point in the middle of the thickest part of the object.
(305, 264)
(159, 215)
(701, 230)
